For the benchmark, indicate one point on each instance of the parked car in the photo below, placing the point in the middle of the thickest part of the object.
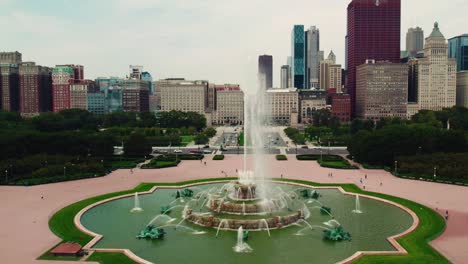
(207, 151)
(305, 147)
(178, 151)
(196, 152)
(206, 146)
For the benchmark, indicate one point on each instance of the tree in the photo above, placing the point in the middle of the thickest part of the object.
(210, 132)
(137, 145)
(201, 139)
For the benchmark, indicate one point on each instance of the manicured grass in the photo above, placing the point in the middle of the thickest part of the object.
(338, 164)
(420, 252)
(160, 164)
(218, 157)
(281, 157)
(328, 161)
(241, 138)
(187, 139)
(110, 258)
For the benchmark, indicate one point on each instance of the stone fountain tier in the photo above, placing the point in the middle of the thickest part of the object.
(274, 222)
(236, 208)
(243, 191)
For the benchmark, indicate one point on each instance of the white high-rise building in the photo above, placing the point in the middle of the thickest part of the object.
(434, 77)
(314, 57)
(330, 73)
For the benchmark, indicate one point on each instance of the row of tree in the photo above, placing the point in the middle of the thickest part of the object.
(76, 119)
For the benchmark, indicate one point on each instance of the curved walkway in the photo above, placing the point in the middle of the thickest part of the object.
(24, 215)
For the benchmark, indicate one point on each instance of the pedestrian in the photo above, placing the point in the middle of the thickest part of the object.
(366, 176)
(281, 176)
(364, 187)
(446, 215)
(205, 163)
(237, 171)
(360, 180)
(42, 197)
(131, 171)
(381, 184)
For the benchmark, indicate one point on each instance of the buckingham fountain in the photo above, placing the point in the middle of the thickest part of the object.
(248, 219)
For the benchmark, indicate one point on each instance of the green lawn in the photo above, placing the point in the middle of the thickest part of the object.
(241, 139)
(110, 258)
(336, 164)
(420, 252)
(187, 139)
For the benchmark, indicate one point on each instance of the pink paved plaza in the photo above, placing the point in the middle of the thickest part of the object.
(24, 215)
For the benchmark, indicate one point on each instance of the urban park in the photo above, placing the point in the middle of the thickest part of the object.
(249, 218)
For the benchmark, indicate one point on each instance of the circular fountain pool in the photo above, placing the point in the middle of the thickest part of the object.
(210, 224)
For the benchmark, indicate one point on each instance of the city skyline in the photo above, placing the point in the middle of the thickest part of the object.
(173, 38)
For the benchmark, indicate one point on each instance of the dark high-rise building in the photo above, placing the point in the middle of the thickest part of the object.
(135, 96)
(265, 71)
(35, 89)
(374, 32)
(299, 61)
(9, 87)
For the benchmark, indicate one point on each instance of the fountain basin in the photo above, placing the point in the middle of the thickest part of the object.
(374, 231)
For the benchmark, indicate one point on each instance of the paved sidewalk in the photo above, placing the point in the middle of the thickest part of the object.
(23, 209)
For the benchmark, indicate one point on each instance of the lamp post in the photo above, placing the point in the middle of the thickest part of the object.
(6, 176)
(64, 171)
(396, 167)
(435, 172)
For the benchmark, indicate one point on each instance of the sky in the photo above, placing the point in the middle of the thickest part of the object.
(215, 40)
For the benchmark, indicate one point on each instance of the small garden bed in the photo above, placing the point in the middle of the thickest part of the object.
(281, 157)
(218, 157)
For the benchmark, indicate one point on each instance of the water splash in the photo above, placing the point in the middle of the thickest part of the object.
(357, 210)
(241, 246)
(136, 208)
(165, 218)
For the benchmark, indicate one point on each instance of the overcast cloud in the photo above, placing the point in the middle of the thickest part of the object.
(216, 40)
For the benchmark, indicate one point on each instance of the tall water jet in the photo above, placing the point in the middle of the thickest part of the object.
(357, 210)
(136, 207)
(241, 246)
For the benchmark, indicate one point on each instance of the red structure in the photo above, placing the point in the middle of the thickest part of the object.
(341, 106)
(63, 76)
(67, 249)
(374, 28)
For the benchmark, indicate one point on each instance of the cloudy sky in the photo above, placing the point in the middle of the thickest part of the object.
(216, 40)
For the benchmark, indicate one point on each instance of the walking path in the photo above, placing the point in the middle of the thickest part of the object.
(24, 215)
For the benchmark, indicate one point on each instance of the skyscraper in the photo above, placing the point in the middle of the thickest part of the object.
(285, 76)
(414, 41)
(299, 57)
(314, 57)
(458, 49)
(330, 73)
(265, 71)
(373, 33)
(434, 76)
(35, 89)
(9, 87)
